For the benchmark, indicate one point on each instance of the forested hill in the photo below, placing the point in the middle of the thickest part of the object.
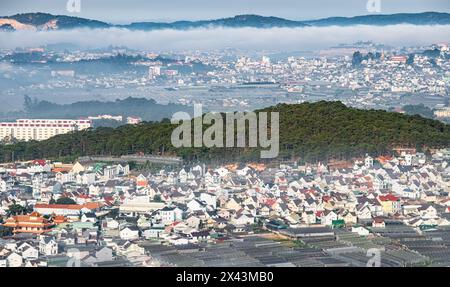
(45, 21)
(312, 131)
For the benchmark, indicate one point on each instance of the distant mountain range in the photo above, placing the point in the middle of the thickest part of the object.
(44, 21)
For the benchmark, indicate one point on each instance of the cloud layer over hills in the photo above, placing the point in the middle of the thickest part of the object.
(287, 39)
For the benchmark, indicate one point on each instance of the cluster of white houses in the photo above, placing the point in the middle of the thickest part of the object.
(370, 197)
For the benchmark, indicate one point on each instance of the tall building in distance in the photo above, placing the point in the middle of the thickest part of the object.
(154, 71)
(443, 112)
(40, 129)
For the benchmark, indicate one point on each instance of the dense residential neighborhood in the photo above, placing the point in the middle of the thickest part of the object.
(91, 213)
(363, 74)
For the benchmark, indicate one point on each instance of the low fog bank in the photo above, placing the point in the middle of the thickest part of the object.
(281, 39)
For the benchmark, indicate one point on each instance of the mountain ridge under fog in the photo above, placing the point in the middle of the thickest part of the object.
(45, 21)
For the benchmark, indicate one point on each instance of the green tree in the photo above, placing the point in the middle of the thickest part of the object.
(65, 200)
(16, 209)
(5, 231)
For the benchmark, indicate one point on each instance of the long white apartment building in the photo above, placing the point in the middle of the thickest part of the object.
(40, 129)
(443, 113)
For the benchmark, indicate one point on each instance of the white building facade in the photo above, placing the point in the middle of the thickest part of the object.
(40, 129)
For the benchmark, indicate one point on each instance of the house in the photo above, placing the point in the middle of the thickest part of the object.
(293, 218)
(143, 222)
(24, 245)
(183, 175)
(48, 245)
(154, 232)
(89, 217)
(78, 168)
(234, 203)
(378, 223)
(141, 181)
(244, 219)
(14, 260)
(309, 217)
(179, 213)
(411, 209)
(123, 169)
(209, 198)
(139, 204)
(30, 252)
(130, 249)
(408, 193)
(130, 233)
(101, 255)
(3, 261)
(428, 211)
(363, 212)
(200, 235)
(196, 205)
(328, 217)
(86, 178)
(104, 254)
(368, 161)
(360, 230)
(193, 221)
(36, 263)
(390, 204)
(178, 240)
(111, 223)
(349, 217)
(167, 215)
(3, 185)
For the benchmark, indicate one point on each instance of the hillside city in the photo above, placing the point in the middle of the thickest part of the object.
(363, 74)
(93, 175)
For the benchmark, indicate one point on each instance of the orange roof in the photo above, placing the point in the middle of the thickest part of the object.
(384, 159)
(61, 169)
(88, 205)
(231, 167)
(59, 219)
(26, 218)
(32, 220)
(19, 224)
(257, 166)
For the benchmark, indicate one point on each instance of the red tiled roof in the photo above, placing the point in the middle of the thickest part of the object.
(270, 201)
(326, 198)
(388, 197)
(378, 220)
(39, 162)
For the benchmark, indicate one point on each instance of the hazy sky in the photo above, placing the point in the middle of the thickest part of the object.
(124, 11)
